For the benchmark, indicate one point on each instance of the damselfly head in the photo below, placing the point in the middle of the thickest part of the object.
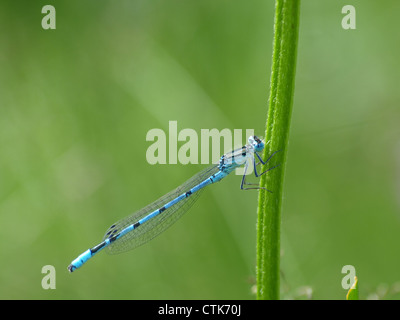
(257, 143)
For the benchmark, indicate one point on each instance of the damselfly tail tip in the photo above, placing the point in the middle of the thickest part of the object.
(71, 268)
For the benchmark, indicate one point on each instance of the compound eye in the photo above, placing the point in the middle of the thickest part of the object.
(259, 145)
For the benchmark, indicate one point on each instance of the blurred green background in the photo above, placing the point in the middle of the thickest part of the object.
(77, 102)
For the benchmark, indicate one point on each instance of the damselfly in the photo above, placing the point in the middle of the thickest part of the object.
(147, 223)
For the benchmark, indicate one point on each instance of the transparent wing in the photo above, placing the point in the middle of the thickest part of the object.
(159, 223)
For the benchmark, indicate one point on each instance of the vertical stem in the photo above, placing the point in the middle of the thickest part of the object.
(276, 137)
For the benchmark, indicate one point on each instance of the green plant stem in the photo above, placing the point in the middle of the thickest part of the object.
(352, 294)
(276, 137)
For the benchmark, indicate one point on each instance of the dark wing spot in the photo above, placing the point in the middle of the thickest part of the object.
(111, 233)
